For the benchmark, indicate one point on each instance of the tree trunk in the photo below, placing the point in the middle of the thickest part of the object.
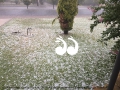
(63, 23)
(65, 32)
(38, 2)
(53, 3)
(41, 2)
(27, 6)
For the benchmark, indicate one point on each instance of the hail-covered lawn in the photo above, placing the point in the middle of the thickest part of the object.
(31, 61)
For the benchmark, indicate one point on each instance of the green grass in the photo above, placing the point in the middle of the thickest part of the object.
(31, 61)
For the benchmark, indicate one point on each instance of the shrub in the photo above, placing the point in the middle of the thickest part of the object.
(111, 18)
(67, 9)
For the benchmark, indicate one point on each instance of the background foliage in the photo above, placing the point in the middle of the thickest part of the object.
(27, 2)
(81, 2)
(1, 0)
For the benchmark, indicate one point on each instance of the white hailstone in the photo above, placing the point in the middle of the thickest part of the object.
(48, 60)
(81, 89)
(56, 84)
(56, 67)
(83, 84)
(63, 84)
(35, 76)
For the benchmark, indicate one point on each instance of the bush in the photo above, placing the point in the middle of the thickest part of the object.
(67, 9)
(111, 18)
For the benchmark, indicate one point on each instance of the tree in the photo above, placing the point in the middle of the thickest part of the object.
(111, 18)
(34, 1)
(41, 2)
(27, 2)
(67, 10)
(80, 2)
(88, 2)
(53, 2)
(17, 1)
(38, 2)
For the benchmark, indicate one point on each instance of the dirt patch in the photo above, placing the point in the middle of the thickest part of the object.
(116, 87)
(3, 21)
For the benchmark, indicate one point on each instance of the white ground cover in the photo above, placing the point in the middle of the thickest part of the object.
(31, 61)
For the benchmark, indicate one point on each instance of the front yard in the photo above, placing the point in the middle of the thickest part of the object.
(30, 60)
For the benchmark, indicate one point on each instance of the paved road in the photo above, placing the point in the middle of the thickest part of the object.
(36, 11)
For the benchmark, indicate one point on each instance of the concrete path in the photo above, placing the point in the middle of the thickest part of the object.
(3, 21)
